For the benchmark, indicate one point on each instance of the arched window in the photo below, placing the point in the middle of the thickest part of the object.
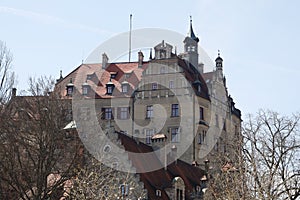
(179, 187)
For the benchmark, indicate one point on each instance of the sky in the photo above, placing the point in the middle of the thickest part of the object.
(258, 40)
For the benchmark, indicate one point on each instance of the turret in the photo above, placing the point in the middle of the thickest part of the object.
(191, 47)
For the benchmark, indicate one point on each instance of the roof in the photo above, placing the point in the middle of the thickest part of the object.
(161, 179)
(94, 76)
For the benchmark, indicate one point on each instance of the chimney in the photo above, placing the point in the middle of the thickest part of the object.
(104, 60)
(14, 92)
(200, 68)
(140, 59)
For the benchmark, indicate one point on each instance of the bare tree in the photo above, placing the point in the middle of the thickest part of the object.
(227, 176)
(268, 166)
(271, 152)
(35, 157)
(7, 78)
(97, 181)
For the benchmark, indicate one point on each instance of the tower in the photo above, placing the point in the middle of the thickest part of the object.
(219, 66)
(191, 47)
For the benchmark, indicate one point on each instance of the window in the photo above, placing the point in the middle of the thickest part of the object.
(113, 75)
(175, 110)
(199, 88)
(84, 90)
(105, 190)
(124, 189)
(70, 91)
(107, 113)
(106, 148)
(123, 113)
(163, 70)
(127, 75)
(201, 113)
(158, 193)
(154, 86)
(202, 137)
(171, 84)
(149, 113)
(109, 89)
(149, 134)
(198, 188)
(125, 88)
(175, 137)
(179, 194)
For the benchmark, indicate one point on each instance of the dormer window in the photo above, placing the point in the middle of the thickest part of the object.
(113, 75)
(85, 88)
(197, 86)
(84, 91)
(70, 88)
(109, 88)
(158, 193)
(125, 87)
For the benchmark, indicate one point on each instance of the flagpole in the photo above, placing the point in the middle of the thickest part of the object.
(130, 37)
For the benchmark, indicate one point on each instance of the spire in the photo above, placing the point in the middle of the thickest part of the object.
(192, 34)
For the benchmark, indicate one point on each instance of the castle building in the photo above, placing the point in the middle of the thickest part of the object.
(164, 102)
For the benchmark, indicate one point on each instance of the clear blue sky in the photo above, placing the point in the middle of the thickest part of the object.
(259, 40)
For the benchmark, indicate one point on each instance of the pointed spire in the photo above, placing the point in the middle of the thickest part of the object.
(192, 34)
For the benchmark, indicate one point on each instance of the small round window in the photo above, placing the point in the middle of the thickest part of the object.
(106, 148)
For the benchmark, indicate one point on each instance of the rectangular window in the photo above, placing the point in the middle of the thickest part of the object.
(125, 88)
(84, 90)
(149, 112)
(201, 114)
(149, 134)
(175, 135)
(175, 110)
(109, 89)
(154, 86)
(123, 113)
(107, 113)
(70, 91)
(124, 189)
(171, 84)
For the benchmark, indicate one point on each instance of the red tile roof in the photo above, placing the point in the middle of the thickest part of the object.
(160, 179)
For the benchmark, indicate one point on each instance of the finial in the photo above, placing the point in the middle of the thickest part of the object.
(60, 74)
(175, 50)
(191, 19)
(219, 52)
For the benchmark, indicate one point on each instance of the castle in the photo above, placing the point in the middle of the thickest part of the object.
(167, 103)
